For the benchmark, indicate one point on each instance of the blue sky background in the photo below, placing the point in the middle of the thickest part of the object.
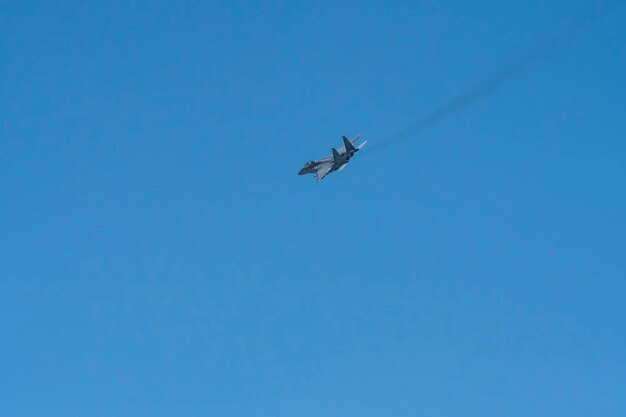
(161, 257)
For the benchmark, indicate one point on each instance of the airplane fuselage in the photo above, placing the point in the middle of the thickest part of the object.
(309, 167)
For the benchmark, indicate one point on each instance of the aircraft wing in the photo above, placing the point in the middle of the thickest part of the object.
(322, 170)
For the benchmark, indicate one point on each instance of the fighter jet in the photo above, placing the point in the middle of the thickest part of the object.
(335, 162)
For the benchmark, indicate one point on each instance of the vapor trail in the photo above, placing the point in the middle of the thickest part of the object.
(492, 83)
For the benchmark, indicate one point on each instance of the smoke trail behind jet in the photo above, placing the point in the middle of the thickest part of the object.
(492, 83)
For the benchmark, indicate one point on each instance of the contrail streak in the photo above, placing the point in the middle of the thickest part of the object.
(490, 84)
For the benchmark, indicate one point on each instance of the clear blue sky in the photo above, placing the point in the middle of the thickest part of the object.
(160, 256)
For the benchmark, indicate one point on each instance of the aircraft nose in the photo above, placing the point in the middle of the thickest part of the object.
(301, 172)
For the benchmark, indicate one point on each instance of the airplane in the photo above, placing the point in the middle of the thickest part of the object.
(335, 162)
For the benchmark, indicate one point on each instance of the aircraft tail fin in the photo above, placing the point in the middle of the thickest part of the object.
(349, 147)
(336, 156)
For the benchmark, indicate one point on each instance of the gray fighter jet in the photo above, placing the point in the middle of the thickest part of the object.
(335, 162)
